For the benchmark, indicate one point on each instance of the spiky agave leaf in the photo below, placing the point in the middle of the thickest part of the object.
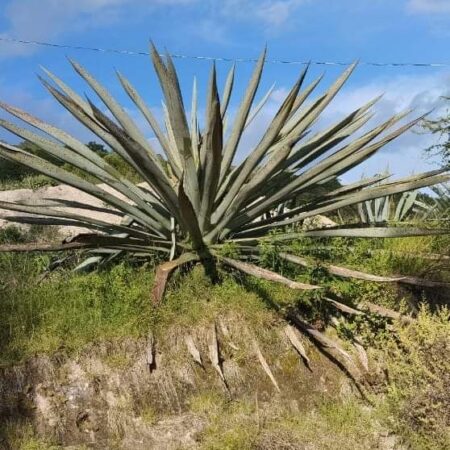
(394, 208)
(204, 197)
(440, 208)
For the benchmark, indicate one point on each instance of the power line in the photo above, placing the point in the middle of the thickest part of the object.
(213, 58)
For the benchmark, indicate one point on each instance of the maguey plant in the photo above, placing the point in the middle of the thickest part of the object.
(200, 199)
(440, 207)
(394, 208)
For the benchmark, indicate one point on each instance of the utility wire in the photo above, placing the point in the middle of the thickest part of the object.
(212, 58)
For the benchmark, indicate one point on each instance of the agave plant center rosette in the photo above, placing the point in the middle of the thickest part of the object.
(200, 199)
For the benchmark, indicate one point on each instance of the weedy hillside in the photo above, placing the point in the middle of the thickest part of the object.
(274, 243)
(407, 355)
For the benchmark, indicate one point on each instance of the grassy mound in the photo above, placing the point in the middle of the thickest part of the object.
(410, 362)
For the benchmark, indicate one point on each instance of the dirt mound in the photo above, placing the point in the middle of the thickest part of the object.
(139, 393)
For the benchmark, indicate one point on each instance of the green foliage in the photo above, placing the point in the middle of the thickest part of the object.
(32, 182)
(10, 170)
(418, 364)
(21, 436)
(68, 311)
(11, 235)
(339, 425)
(16, 176)
(181, 309)
(416, 361)
(109, 303)
(440, 127)
(118, 360)
(148, 415)
(245, 424)
(407, 256)
(20, 269)
(269, 253)
(100, 149)
(123, 167)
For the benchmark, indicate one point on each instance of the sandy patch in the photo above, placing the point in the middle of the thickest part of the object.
(61, 192)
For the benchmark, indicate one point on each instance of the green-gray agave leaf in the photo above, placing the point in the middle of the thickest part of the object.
(201, 193)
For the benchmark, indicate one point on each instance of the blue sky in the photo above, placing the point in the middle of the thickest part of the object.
(330, 30)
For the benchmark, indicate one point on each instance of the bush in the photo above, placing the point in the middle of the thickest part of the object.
(124, 168)
(15, 176)
(418, 367)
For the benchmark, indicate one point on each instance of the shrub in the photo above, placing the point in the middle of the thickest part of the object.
(418, 365)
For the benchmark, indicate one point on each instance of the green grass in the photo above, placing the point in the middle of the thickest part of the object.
(22, 436)
(32, 181)
(66, 311)
(381, 256)
(248, 425)
(149, 416)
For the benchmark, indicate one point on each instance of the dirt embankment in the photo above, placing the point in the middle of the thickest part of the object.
(102, 396)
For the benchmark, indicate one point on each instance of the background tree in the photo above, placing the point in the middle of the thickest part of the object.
(100, 149)
(441, 128)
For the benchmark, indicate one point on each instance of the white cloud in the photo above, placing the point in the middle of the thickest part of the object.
(48, 19)
(429, 6)
(273, 13)
(403, 156)
(213, 31)
(421, 93)
(214, 18)
(277, 13)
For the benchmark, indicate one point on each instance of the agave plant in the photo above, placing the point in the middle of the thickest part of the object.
(440, 208)
(406, 206)
(392, 208)
(199, 198)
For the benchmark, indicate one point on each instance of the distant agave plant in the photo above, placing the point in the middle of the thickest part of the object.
(405, 207)
(200, 198)
(392, 208)
(440, 209)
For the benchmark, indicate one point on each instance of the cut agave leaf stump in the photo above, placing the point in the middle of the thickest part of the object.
(201, 198)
